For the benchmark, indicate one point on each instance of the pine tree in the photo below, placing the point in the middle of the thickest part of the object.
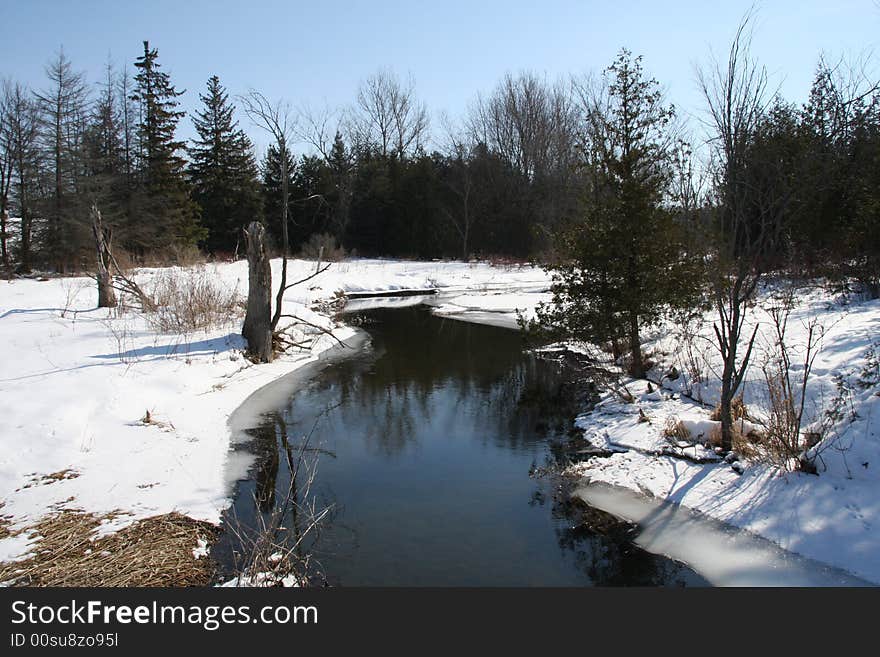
(223, 172)
(62, 129)
(166, 215)
(271, 169)
(106, 182)
(338, 195)
(621, 266)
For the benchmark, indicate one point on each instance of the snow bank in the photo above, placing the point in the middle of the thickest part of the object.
(834, 517)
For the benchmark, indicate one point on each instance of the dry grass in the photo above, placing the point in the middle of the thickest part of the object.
(747, 446)
(43, 480)
(675, 430)
(738, 410)
(5, 522)
(192, 300)
(156, 551)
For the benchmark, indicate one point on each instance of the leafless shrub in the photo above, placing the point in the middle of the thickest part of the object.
(323, 248)
(118, 327)
(276, 552)
(72, 288)
(190, 300)
(692, 351)
(786, 386)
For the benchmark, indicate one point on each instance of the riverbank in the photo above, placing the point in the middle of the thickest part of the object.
(106, 415)
(661, 444)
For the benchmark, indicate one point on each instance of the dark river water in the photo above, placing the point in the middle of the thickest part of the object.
(427, 443)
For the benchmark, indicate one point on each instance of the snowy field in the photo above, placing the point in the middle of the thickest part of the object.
(77, 384)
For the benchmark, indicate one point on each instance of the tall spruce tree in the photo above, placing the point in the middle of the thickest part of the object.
(271, 170)
(223, 171)
(62, 129)
(621, 266)
(165, 215)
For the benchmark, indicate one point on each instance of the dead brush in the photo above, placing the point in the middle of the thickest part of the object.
(277, 550)
(5, 523)
(675, 430)
(149, 419)
(738, 410)
(745, 445)
(155, 551)
(191, 300)
(787, 369)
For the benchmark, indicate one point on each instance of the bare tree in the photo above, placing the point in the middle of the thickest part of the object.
(750, 220)
(19, 142)
(461, 182)
(5, 177)
(531, 125)
(529, 122)
(318, 128)
(322, 129)
(387, 117)
(276, 119)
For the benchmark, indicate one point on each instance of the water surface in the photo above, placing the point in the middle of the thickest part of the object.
(426, 443)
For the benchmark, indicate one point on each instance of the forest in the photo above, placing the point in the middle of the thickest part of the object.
(530, 159)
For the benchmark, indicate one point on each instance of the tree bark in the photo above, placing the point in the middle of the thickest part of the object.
(106, 293)
(637, 369)
(257, 329)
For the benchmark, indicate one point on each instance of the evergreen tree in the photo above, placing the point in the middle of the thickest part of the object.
(105, 182)
(62, 128)
(165, 215)
(338, 193)
(622, 266)
(223, 172)
(271, 169)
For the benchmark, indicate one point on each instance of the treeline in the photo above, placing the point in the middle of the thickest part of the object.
(507, 179)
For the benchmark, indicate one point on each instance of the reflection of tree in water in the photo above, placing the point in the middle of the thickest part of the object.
(283, 495)
(602, 547)
(423, 369)
(266, 466)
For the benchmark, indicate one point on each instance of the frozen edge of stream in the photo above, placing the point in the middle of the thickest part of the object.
(723, 554)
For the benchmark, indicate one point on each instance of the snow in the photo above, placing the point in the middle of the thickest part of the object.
(834, 517)
(77, 383)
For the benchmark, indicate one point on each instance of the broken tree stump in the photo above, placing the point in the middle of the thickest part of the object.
(257, 329)
(106, 293)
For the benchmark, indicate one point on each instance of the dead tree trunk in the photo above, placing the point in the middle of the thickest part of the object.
(257, 329)
(106, 293)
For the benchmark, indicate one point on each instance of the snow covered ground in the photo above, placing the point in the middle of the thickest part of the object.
(833, 517)
(77, 385)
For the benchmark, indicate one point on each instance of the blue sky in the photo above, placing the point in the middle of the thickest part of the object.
(317, 52)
